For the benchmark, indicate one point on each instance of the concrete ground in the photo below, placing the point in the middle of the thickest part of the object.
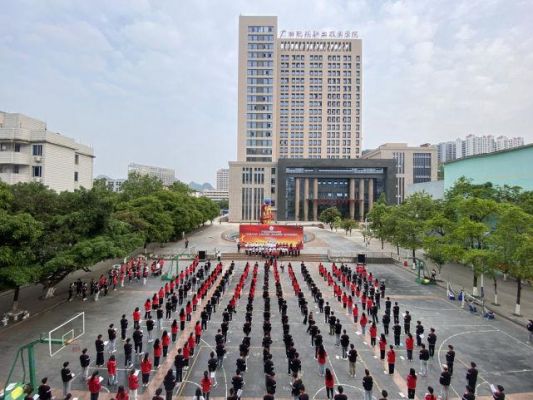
(498, 346)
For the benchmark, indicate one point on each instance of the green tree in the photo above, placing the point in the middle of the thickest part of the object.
(329, 215)
(138, 185)
(411, 217)
(223, 204)
(19, 237)
(376, 219)
(512, 239)
(348, 225)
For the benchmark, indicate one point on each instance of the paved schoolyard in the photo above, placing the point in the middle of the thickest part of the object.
(498, 347)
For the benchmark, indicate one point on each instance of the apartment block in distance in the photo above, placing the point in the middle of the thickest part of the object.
(299, 97)
(413, 164)
(473, 145)
(165, 175)
(29, 152)
(223, 179)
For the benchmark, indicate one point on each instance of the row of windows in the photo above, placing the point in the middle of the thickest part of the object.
(255, 142)
(259, 107)
(260, 81)
(318, 57)
(260, 63)
(256, 72)
(259, 151)
(258, 134)
(257, 54)
(259, 125)
(260, 46)
(260, 38)
(258, 116)
(259, 99)
(260, 89)
(260, 29)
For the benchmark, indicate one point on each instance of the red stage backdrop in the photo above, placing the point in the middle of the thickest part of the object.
(284, 235)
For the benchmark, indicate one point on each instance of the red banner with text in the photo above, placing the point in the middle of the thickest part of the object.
(279, 236)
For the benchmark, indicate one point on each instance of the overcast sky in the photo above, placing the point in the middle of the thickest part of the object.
(155, 82)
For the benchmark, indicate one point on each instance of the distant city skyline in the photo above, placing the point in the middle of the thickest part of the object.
(156, 82)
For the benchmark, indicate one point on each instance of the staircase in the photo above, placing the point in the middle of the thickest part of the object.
(307, 257)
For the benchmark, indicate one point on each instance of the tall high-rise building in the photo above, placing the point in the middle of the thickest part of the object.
(223, 179)
(299, 97)
(29, 152)
(300, 93)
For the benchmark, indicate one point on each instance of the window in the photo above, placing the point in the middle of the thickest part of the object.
(17, 147)
(15, 169)
(76, 159)
(37, 150)
(3, 147)
(37, 171)
(75, 176)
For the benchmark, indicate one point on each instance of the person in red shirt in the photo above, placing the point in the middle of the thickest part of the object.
(191, 342)
(94, 385)
(391, 359)
(146, 368)
(330, 383)
(112, 371)
(186, 355)
(411, 384)
(409, 346)
(382, 346)
(157, 353)
(165, 342)
(373, 334)
(355, 312)
(147, 308)
(205, 383)
(198, 331)
(429, 395)
(133, 384)
(136, 318)
(121, 394)
(188, 310)
(174, 330)
(363, 322)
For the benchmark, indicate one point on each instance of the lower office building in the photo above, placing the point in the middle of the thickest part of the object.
(413, 164)
(29, 152)
(300, 189)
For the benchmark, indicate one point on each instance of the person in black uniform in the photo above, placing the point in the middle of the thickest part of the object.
(169, 382)
(85, 361)
(128, 350)
(44, 391)
(179, 363)
(407, 323)
(386, 321)
(397, 331)
(66, 378)
(450, 358)
(340, 394)
(471, 375)
(396, 312)
(345, 341)
(270, 383)
(419, 331)
(237, 383)
(432, 340)
(123, 327)
(99, 345)
(138, 341)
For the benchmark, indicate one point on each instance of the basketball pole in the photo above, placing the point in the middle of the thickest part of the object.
(30, 349)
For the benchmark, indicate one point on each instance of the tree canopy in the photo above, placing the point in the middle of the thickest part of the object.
(45, 235)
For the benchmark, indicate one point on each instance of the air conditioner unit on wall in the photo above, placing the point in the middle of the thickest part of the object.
(38, 159)
(37, 179)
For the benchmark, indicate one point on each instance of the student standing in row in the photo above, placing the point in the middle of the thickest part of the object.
(94, 386)
(368, 384)
(169, 382)
(85, 361)
(411, 384)
(66, 377)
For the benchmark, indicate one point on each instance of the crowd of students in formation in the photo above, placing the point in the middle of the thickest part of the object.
(359, 293)
(136, 270)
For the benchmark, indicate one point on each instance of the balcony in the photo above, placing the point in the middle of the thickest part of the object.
(11, 178)
(18, 134)
(11, 157)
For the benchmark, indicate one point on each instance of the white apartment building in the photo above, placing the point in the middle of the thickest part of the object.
(299, 96)
(215, 195)
(29, 152)
(223, 179)
(473, 145)
(115, 185)
(165, 175)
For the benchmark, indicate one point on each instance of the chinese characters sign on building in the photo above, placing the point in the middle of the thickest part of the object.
(318, 35)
